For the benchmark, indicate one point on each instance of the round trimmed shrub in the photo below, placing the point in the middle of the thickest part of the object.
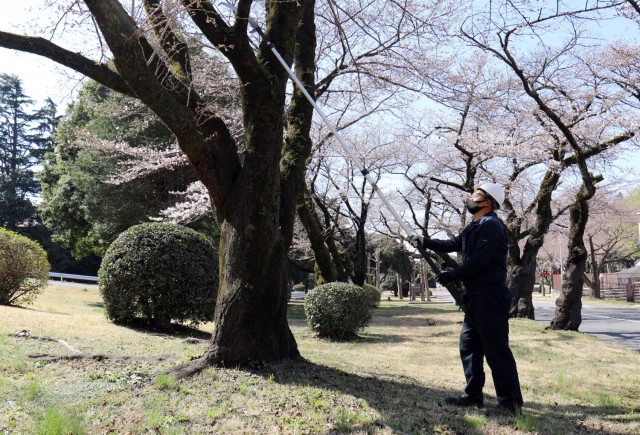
(24, 269)
(337, 310)
(159, 272)
(298, 288)
(375, 294)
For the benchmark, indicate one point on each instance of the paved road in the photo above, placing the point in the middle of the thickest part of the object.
(617, 323)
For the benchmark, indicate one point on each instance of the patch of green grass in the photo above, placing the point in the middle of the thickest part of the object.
(345, 421)
(156, 415)
(605, 399)
(3, 384)
(215, 412)
(563, 382)
(318, 399)
(475, 422)
(33, 389)
(166, 382)
(57, 421)
(526, 422)
(18, 363)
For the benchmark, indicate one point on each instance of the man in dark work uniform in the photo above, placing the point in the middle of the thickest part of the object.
(485, 330)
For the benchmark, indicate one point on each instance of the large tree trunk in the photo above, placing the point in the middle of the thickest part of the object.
(325, 267)
(568, 314)
(251, 323)
(522, 279)
(361, 259)
(595, 266)
(522, 269)
(254, 199)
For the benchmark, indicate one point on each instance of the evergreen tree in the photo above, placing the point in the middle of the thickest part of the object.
(81, 206)
(25, 136)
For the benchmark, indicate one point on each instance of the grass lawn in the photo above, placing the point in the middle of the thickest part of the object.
(392, 380)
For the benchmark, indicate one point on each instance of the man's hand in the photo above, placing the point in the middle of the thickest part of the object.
(416, 241)
(445, 277)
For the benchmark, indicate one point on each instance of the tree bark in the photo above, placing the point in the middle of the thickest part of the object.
(595, 267)
(361, 259)
(325, 267)
(254, 199)
(568, 314)
(332, 264)
(522, 269)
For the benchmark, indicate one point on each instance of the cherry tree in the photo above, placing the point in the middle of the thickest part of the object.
(611, 234)
(559, 80)
(253, 183)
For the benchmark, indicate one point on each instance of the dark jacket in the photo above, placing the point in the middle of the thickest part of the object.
(483, 245)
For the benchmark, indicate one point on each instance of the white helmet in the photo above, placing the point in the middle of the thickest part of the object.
(496, 191)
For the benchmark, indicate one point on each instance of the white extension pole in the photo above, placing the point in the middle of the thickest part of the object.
(453, 287)
(344, 145)
(254, 25)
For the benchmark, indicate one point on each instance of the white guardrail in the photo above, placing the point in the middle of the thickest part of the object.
(71, 277)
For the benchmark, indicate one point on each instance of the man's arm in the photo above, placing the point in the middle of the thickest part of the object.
(454, 244)
(488, 238)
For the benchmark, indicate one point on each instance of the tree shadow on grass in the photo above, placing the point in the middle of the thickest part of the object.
(403, 316)
(415, 316)
(420, 319)
(35, 310)
(295, 310)
(173, 330)
(406, 406)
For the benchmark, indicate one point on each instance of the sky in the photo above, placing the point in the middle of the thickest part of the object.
(42, 78)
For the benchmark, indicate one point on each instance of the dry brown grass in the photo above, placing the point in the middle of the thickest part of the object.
(391, 380)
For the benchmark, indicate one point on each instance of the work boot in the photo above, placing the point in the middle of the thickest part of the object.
(464, 401)
(503, 410)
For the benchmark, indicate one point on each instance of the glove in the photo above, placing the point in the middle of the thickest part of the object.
(445, 277)
(416, 241)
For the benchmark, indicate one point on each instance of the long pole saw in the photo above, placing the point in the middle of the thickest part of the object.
(454, 288)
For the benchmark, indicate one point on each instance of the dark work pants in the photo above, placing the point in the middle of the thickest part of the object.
(485, 333)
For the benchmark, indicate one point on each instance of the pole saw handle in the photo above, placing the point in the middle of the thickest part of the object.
(454, 287)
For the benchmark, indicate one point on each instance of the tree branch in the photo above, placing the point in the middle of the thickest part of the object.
(172, 45)
(42, 47)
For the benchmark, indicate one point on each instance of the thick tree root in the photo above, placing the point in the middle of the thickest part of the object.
(100, 357)
(190, 368)
(27, 335)
(77, 355)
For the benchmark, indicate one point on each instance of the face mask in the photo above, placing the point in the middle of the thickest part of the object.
(473, 206)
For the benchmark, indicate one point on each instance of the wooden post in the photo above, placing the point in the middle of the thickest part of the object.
(378, 283)
(424, 277)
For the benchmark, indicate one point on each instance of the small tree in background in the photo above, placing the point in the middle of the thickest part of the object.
(158, 273)
(23, 269)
